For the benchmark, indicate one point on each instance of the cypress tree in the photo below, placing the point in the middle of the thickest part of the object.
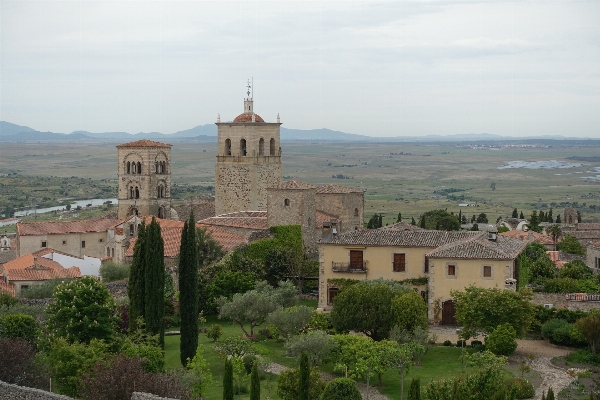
(413, 222)
(521, 216)
(136, 286)
(188, 291)
(399, 217)
(550, 394)
(543, 396)
(578, 216)
(460, 216)
(558, 221)
(414, 393)
(422, 222)
(155, 282)
(254, 383)
(304, 382)
(228, 381)
(515, 213)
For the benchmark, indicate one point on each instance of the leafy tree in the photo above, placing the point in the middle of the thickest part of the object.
(366, 307)
(549, 216)
(7, 301)
(482, 218)
(20, 365)
(225, 284)
(473, 219)
(409, 311)
(502, 229)
(278, 264)
(200, 368)
(542, 217)
(502, 341)
(44, 290)
(400, 357)
(440, 219)
(255, 305)
(287, 384)
(534, 222)
(290, 321)
(82, 310)
(375, 222)
(482, 310)
(341, 389)
(550, 394)
(414, 392)
(214, 332)
(209, 250)
(535, 250)
(418, 336)
(234, 346)
(18, 326)
(475, 228)
(154, 313)
(555, 232)
(570, 244)
(316, 345)
(110, 272)
(542, 269)
(515, 214)
(304, 381)
(136, 286)
(589, 328)
(562, 285)
(228, 381)
(255, 384)
(575, 269)
(578, 216)
(188, 291)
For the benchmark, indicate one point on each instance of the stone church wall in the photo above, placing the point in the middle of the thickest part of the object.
(348, 207)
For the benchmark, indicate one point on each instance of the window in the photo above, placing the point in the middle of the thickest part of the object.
(356, 212)
(107, 252)
(286, 202)
(451, 270)
(228, 147)
(426, 269)
(128, 167)
(137, 192)
(139, 167)
(65, 242)
(113, 253)
(272, 147)
(83, 244)
(487, 271)
(400, 262)
(242, 147)
(130, 229)
(101, 240)
(331, 295)
(44, 243)
(356, 259)
(24, 287)
(261, 147)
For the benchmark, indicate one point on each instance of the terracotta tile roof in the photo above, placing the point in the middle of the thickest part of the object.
(390, 237)
(555, 258)
(6, 256)
(403, 226)
(596, 244)
(480, 247)
(522, 235)
(164, 223)
(226, 239)
(584, 235)
(144, 143)
(49, 250)
(244, 219)
(338, 189)
(30, 268)
(7, 288)
(49, 228)
(588, 226)
(248, 118)
(324, 217)
(293, 185)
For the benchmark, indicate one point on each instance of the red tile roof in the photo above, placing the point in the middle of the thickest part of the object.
(555, 258)
(588, 226)
(226, 239)
(403, 226)
(7, 288)
(390, 237)
(49, 228)
(293, 185)
(245, 219)
(338, 189)
(164, 223)
(324, 217)
(248, 118)
(522, 235)
(144, 143)
(30, 268)
(480, 247)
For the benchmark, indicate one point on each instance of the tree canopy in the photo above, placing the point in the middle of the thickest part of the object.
(570, 244)
(441, 220)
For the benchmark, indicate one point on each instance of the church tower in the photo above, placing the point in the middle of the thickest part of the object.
(144, 175)
(248, 161)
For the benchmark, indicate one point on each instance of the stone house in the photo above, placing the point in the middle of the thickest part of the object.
(450, 260)
(530, 237)
(593, 256)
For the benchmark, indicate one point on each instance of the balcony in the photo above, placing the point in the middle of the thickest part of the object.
(353, 268)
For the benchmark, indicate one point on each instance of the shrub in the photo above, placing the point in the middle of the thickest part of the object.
(249, 360)
(288, 381)
(549, 327)
(19, 364)
(560, 332)
(502, 341)
(475, 343)
(523, 388)
(7, 300)
(562, 285)
(18, 326)
(110, 271)
(461, 343)
(43, 291)
(214, 332)
(317, 345)
(318, 322)
(341, 389)
(447, 343)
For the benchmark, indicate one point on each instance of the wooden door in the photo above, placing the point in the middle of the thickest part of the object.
(448, 313)
(356, 259)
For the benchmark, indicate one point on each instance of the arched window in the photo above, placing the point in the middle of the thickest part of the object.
(161, 213)
(261, 147)
(113, 253)
(133, 167)
(156, 167)
(242, 147)
(139, 167)
(131, 231)
(137, 192)
(286, 202)
(107, 252)
(131, 192)
(272, 147)
(161, 192)
(356, 212)
(128, 167)
(228, 147)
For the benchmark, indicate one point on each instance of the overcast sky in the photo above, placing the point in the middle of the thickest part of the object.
(372, 68)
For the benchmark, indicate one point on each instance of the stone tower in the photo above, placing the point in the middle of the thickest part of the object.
(144, 179)
(248, 161)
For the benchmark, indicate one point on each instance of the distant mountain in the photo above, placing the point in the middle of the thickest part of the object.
(6, 128)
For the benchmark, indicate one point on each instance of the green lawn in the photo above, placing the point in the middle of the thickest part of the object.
(438, 363)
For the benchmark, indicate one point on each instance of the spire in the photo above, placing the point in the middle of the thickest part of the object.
(218, 118)
(278, 121)
(248, 102)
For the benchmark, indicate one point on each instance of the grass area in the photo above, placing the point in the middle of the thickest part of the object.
(439, 363)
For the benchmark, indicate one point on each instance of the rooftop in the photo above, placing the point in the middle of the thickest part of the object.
(31, 268)
(293, 185)
(522, 235)
(49, 228)
(403, 226)
(401, 238)
(480, 247)
(144, 143)
(247, 117)
(243, 219)
(331, 188)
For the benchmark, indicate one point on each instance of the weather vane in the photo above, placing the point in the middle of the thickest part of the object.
(248, 92)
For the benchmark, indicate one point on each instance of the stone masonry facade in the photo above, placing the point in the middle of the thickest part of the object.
(294, 207)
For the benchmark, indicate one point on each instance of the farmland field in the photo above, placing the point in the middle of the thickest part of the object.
(398, 177)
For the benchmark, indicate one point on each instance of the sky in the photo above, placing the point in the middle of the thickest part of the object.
(398, 68)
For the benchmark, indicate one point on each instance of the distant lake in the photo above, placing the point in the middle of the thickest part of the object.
(81, 203)
(546, 164)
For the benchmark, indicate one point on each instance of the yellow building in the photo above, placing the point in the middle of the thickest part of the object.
(450, 260)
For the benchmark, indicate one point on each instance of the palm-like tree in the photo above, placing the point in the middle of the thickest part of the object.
(555, 232)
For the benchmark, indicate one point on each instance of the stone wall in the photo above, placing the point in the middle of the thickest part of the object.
(593, 257)
(14, 392)
(559, 300)
(348, 207)
(148, 396)
(294, 207)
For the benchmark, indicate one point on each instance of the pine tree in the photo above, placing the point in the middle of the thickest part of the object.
(413, 222)
(304, 382)
(521, 216)
(515, 214)
(228, 381)
(542, 217)
(188, 291)
(136, 286)
(155, 282)
(399, 217)
(414, 393)
(254, 383)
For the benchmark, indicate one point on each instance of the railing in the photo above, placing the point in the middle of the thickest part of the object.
(354, 268)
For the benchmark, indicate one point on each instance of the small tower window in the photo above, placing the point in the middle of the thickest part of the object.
(286, 202)
(131, 192)
(160, 192)
(261, 147)
(356, 212)
(243, 147)
(228, 147)
(156, 167)
(272, 147)
(137, 192)
(139, 167)
(128, 167)
(130, 229)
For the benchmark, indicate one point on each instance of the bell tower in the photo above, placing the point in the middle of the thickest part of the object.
(248, 161)
(144, 174)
